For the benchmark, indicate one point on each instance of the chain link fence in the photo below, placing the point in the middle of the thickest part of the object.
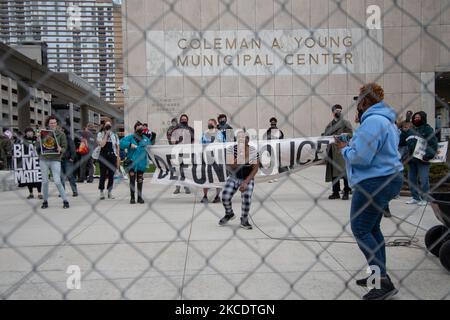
(302, 246)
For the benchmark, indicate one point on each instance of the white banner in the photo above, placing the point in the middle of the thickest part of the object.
(205, 166)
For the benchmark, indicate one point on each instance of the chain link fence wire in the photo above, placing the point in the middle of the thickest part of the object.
(301, 247)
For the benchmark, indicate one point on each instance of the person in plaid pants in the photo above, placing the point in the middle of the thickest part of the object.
(242, 166)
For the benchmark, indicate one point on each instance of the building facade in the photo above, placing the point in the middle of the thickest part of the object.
(293, 59)
(80, 36)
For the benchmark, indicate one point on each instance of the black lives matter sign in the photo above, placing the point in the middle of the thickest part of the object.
(26, 164)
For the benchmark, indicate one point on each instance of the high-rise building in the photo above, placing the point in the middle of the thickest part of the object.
(83, 37)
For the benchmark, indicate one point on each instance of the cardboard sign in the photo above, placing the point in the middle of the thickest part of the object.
(421, 146)
(26, 164)
(49, 143)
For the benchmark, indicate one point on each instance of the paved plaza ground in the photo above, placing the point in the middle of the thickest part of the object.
(172, 247)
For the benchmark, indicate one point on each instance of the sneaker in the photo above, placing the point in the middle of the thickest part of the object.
(387, 213)
(412, 201)
(31, 196)
(110, 195)
(132, 200)
(334, 196)
(422, 203)
(177, 190)
(75, 194)
(90, 181)
(140, 200)
(44, 205)
(226, 219)
(66, 205)
(216, 199)
(386, 291)
(102, 195)
(345, 196)
(363, 282)
(40, 197)
(246, 225)
(187, 190)
(204, 199)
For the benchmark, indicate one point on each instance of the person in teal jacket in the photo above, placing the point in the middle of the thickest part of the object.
(136, 162)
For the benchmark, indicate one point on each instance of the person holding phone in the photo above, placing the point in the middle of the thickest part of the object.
(109, 158)
(375, 172)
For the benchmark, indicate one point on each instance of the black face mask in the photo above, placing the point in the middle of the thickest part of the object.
(417, 122)
(273, 125)
(223, 122)
(210, 126)
(139, 131)
(107, 127)
(184, 123)
(337, 115)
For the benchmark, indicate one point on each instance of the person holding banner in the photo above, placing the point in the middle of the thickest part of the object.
(30, 139)
(225, 128)
(335, 170)
(242, 166)
(109, 158)
(420, 136)
(51, 145)
(136, 161)
(182, 134)
(375, 172)
(212, 135)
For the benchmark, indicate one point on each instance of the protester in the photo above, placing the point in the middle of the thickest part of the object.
(109, 158)
(52, 162)
(273, 133)
(87, 145)
(136, 162)
(30, 139)
(172, 127)
(225, 128)
(182, 134)
(68, 164)
(335, 170)
(375, 172)
(419, 169)
(242, 165)
(404, 126)
(212, 135)
(6, 150)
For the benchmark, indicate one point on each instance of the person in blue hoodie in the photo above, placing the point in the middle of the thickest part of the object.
(137, 159)
(375, 173)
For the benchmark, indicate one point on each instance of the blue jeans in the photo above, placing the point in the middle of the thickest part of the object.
(67, 169)
(419, 171)
(55, 166)
(370, 198)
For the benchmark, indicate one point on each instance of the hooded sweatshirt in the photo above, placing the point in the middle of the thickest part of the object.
(425, 131)
(373, 150)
